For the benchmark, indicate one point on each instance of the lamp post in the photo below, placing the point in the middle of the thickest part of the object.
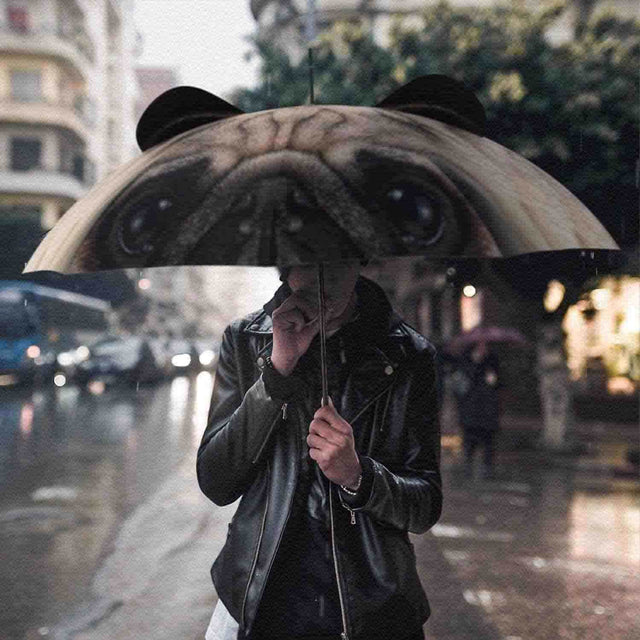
(310, 22)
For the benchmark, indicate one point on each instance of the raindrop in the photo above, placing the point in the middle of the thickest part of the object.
(599, 610)
(43, 631)
(137, 386)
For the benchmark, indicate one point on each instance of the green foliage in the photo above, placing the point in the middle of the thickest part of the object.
(571, 108)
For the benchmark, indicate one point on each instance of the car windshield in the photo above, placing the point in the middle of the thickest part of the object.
(14, 322)
(110, 348)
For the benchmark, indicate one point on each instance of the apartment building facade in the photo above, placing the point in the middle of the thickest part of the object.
(67, 109)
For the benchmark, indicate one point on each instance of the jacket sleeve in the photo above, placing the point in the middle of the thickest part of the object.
(409, 495)
(240, 423)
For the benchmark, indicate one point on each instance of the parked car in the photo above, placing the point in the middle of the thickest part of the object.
(123, 359)
(183, 356)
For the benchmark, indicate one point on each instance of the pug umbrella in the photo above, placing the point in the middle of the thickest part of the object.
(318, 183)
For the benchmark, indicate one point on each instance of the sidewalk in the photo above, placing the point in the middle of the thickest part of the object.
(488, 565)
(598, 446)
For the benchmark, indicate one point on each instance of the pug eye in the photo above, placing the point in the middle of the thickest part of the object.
(416, 213)
(141, 227)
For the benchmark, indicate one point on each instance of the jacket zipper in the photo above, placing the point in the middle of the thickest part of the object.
(344, 635)
(255, 557)
(283, 409)
(366, 406)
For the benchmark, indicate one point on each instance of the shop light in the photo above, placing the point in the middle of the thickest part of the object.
(144, 284)
(60, 380)
(600, 298)
(469, 291)
(554, 295)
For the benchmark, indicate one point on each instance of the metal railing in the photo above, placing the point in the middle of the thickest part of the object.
(82, 106)
(85, 176)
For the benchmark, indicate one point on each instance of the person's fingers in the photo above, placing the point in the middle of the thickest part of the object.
(326, 431)
(329, 415)
(296, 301)
(317, 442)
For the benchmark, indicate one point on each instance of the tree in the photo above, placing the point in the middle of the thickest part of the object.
(571, 109)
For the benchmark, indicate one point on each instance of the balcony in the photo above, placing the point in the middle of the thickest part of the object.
(73, 46)
(42, 182)
(76, 116)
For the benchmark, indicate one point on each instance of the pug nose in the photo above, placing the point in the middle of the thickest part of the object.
(284, 201)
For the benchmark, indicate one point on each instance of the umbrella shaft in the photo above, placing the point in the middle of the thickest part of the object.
(323, 336)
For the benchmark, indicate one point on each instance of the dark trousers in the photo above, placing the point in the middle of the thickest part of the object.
(474, 439)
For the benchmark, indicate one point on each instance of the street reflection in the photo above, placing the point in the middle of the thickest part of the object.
(605, 527)
(73, 464)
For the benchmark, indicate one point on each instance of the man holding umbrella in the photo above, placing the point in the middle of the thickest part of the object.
(318, 547)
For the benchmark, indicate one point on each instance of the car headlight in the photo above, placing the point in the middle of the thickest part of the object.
(33, 351)
(82, 353)
(65, 359)
(207, 357)
(181, 360)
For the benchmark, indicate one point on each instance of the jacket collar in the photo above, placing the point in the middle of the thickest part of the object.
(377, 329)
(374, 313)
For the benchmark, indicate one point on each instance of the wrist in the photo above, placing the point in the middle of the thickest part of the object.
(355, 482)
(283, 367)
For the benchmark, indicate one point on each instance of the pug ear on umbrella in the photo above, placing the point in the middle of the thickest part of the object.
(178, 110)
(440, 98)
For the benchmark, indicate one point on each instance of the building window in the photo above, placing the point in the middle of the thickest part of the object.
(26, 86)
(26, 154)
(18, 19)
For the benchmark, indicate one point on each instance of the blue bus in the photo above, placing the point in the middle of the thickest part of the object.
(38, 323)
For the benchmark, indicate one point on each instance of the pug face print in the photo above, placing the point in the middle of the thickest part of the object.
(412, 176)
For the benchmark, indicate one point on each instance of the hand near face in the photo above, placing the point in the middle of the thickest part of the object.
(331, 445)
(293, 332)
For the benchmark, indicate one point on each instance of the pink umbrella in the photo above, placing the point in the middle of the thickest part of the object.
(458, 344)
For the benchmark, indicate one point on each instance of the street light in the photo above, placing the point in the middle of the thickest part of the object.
(310, 23)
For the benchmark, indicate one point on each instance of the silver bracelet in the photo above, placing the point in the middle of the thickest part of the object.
(353, 492)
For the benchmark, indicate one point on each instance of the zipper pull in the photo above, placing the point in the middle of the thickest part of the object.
(353, 516)
(284, 410)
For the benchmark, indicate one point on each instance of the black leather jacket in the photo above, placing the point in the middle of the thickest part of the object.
(250, 449)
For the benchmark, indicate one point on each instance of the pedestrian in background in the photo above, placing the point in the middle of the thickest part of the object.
(476, 386)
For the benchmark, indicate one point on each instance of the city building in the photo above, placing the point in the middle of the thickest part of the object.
(152, 81)
(67, 109)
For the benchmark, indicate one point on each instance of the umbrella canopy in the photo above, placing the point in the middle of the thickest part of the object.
(491, 334)
(412, 176)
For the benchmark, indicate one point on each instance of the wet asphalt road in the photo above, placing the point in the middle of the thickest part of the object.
(105, 535)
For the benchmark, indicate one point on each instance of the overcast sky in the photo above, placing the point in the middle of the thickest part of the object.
(202, 39)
